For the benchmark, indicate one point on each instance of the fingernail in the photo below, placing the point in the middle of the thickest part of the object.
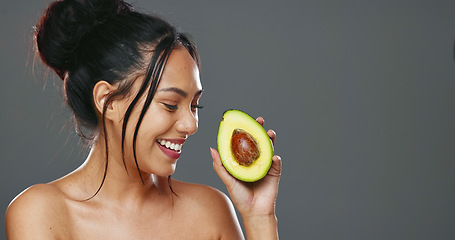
(212, 153)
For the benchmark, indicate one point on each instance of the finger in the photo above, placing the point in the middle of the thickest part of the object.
(272, 135)
(227, 179)
(275, 169)
(260, 120)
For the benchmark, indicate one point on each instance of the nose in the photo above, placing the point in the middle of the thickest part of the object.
(188, 122)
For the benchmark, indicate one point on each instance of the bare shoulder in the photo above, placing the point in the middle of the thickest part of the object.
(211, 206)
(34, 213)
(202, 193)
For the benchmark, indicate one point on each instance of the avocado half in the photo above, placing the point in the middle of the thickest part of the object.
(245, 149)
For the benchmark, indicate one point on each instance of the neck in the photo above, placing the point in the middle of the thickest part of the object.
(120, 185)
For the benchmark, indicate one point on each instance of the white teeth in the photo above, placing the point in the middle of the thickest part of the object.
(170, 145)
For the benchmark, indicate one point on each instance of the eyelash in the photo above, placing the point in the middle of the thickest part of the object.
(197, 106)
(170, 107)
(174, 107)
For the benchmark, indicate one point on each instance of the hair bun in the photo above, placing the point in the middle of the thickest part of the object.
(64, 24)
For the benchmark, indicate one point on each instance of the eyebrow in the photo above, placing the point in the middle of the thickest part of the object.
(180, 91)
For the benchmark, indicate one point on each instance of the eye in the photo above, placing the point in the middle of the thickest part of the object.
(170, 107)
(195, 107)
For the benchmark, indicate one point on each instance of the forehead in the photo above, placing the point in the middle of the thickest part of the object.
(181, 71)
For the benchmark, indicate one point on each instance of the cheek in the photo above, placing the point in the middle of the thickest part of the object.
(147, 131)
(154, 124)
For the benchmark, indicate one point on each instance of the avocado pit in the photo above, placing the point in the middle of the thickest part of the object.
(244, 147)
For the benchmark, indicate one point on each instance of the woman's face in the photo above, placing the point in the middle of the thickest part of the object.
(170, 119)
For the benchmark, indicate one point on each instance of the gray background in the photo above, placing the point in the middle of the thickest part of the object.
(360, 93)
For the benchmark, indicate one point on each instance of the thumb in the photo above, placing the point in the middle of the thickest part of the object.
(227, 179)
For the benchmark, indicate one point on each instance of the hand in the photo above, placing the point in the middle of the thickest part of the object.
(257, 198)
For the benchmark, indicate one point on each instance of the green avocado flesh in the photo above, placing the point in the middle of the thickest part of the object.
(245, 148)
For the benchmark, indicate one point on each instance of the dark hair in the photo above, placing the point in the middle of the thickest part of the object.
(86, 41)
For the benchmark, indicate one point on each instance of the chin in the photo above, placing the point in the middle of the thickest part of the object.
(165, 171)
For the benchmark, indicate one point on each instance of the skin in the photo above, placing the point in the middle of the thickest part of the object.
(126, 207)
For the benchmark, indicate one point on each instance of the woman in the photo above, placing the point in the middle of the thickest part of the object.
(132, 82)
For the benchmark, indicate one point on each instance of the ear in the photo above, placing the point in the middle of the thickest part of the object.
(101, 92)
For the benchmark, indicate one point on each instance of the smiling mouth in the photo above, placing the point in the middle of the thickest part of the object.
(170, 145)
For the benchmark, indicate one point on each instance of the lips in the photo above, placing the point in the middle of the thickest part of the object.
(171, 147)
